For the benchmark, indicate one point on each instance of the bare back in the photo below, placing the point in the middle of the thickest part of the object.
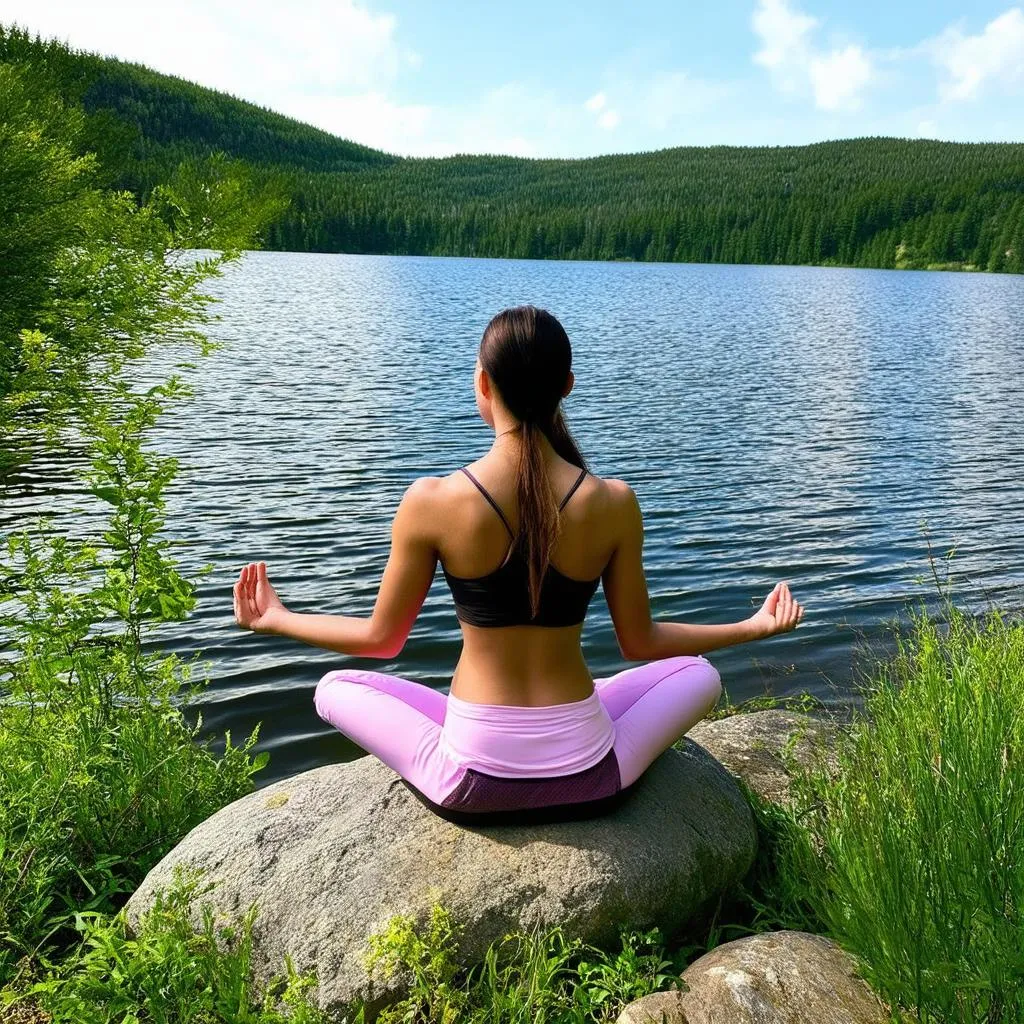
(522, 665)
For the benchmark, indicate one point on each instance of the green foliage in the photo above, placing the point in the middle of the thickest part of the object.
(45, 194)
(540, 977)
(168, 972)
(912, 855)
(100, 773)
(214, 202)
(88, 277)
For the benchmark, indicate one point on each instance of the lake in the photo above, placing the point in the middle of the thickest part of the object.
(791, 423)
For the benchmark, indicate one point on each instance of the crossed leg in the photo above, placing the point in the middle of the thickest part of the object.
(395, 719)
(653, 705)
(399, 721)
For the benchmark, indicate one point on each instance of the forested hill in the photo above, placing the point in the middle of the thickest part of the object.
(163, 119)
(865, 202)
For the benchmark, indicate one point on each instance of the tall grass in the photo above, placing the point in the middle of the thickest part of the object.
(912, 854)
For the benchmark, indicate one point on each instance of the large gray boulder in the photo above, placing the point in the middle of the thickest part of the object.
(331, 854)
(761, 747)
(773, 978)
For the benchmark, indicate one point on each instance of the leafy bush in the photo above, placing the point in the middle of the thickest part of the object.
(100, 773)
(532, 978)
(167, 973)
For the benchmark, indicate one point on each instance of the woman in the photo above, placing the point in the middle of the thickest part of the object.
(524, 535)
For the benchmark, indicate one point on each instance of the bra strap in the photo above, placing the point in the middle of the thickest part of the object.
(572, 490)
(480, 487)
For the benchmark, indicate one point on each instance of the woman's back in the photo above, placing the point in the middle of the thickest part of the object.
(526, 665)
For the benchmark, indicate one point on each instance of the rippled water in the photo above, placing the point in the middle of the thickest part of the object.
(776, 423)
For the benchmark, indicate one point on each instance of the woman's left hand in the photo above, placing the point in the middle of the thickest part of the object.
(780, 612)
(256, 602)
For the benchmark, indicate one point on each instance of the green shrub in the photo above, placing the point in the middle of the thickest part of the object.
(539, 977)
(912, 856)
(167, 973)
(100, 773)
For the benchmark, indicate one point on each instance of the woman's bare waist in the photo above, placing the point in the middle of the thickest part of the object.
(524, 665)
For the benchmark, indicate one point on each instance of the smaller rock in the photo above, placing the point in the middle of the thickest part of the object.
(756, 747)
(773, 978)
(657, 1008)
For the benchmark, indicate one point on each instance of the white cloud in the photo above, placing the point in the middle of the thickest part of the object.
(668, 100)
(369, 118)
(532, 119)
(606, 118)
(838, 78)
(996, 54)
(835, 78)
(784, 44)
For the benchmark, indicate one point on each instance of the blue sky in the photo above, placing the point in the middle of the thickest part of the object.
(434, 77)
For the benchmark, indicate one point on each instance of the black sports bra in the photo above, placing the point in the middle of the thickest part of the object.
(502, 597)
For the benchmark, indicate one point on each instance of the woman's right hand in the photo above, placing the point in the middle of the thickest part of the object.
(779, 614)
(256, 601)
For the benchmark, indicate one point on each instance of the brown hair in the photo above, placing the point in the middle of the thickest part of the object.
(527, 355)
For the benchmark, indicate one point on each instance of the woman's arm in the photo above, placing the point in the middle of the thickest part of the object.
(642, 639)
(403, 588)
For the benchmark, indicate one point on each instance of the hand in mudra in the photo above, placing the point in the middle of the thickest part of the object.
(780, 612)
(256, 601)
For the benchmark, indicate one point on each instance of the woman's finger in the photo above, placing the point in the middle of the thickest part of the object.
(250, 597)
(244, 614)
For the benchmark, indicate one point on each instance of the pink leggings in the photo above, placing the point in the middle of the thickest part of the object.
(643, 710)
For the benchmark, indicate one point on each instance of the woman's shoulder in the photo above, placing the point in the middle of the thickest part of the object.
(438, 492)
(617, 490)
(614, 494)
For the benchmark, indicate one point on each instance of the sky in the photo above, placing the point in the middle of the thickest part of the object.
(535, 78)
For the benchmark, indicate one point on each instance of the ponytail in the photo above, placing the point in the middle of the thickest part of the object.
(538, 511)
(563, 442)
(539, 519)
(527, 354)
